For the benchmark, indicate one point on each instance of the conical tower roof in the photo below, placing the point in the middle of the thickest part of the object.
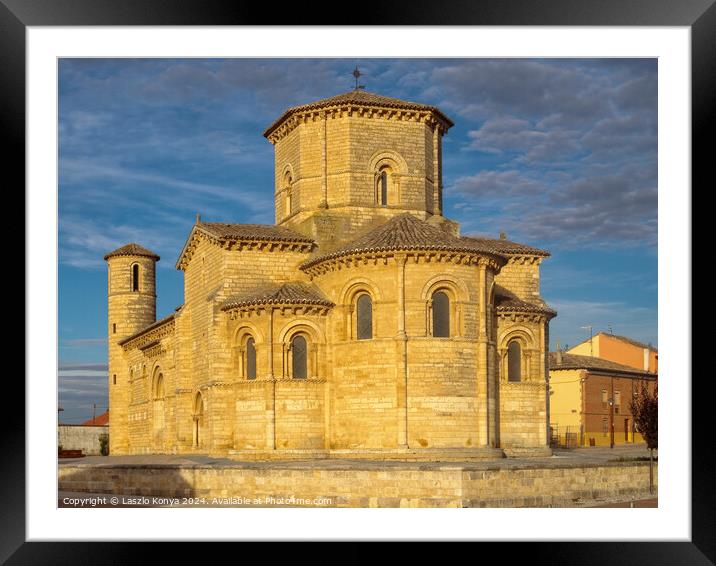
(358, 97)
(132, 250)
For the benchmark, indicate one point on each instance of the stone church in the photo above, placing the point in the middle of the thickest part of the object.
(361, 324)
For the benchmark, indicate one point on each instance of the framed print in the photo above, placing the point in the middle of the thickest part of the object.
(115, 101)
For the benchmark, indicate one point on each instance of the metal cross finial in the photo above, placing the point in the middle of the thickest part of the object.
(356, 73)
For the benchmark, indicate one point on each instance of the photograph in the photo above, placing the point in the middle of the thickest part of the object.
(379, 282)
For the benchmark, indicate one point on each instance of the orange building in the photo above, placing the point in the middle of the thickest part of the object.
(621, 350)
(590, 400)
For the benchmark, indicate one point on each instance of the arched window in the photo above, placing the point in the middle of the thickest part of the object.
(299, 357)
(135, 277)
(364, 317)
(250, 358)
(198, 419)
(441, 315)
(158, 413)
(159, 387)
(383, 185)
(287, 182)
(514, 361)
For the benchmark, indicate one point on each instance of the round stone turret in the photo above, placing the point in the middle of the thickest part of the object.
(131, 290)
(132, 306)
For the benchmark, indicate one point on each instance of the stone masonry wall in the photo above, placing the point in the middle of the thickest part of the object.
(523, 414)
(400, 485)
(521, 276)
(332, 161)
(81, 437)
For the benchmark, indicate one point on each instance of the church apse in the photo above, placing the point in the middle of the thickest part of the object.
(360, 324)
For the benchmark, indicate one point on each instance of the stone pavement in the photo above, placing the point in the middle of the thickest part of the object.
(560, 459)
(635, 504)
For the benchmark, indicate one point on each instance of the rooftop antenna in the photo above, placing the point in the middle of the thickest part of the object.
(609, 326)
(356, 74)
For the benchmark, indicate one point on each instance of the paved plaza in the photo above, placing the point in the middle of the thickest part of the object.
(560, 458)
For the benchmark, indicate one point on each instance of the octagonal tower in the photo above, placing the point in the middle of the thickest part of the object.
(347, 163)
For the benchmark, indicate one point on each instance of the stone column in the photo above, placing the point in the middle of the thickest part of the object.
(492, 408)
(493, 373)
(271, 405)
(483, 378)
(349, 321)
(402, 373)
(437, 172)
(324, 161)
(328, 364)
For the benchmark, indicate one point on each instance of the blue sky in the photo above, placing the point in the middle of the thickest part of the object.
(558, 153)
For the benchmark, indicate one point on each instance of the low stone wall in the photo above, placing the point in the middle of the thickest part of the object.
(81, 437)
(374, 484)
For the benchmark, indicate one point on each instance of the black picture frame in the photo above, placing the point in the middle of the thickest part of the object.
(699, 15)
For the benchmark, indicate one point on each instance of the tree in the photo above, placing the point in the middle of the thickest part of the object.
(104, 444)
(645, 408)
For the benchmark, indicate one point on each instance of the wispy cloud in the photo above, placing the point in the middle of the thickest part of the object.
(80, 342)
(75, 170)
(68, 366)
(81, 389)
(559, 153)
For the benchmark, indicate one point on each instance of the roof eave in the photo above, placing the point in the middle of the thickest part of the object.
(298, 109)
(114, 253)
(278, 304)
(501, 259)
(157, 324)
(549, 313)
(185, 247)
(641, 374)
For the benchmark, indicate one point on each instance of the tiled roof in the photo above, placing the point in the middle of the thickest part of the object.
(261, 232)
(405, 232)
(507, 301)
(99, 420)
(132, 250)
(574, 361)
(359, 98)
(292, 293)
(241, 232)
(504, 246)
(621, 338)
(631, 341)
